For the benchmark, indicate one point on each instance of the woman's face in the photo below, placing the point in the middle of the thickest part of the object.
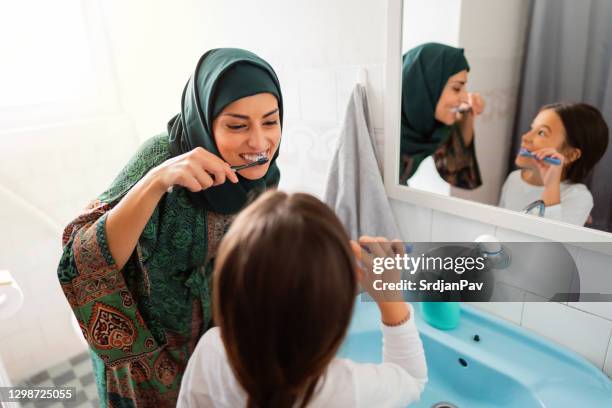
(454, 94)
(547, 130)
(247, 129)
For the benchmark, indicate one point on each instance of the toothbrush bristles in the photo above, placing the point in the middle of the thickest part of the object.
(258, 162)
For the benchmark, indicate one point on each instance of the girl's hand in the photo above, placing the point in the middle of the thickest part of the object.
(195, 170)
(365, 252)
(393, 309)
(549, 173)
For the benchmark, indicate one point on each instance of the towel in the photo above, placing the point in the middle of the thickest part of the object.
(355, 188)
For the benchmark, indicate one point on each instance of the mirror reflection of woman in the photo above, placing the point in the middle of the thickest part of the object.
(438, 114)
(137, 262)
(575, 136)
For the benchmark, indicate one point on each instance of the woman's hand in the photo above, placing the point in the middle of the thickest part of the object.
(476, 106)
(466, 120)
(390, 302)
(195, 170)
(477, 103)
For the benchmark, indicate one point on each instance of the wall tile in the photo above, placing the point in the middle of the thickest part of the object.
(450, 228)
(376, 92)
(582, 332)
(290, 86)
(595, 277)
(318, 96)
(414, 222)
(346, 79)
(510, 311)
(505, 308)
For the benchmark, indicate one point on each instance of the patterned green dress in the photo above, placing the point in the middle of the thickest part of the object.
(142, 322)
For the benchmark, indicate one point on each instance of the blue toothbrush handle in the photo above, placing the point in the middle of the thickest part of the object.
(549, 160)
(552, 160)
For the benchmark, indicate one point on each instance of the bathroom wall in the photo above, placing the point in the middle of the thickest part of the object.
(493, 36)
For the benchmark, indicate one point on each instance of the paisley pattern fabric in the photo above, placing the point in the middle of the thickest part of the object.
(456, 163)
(142, 322)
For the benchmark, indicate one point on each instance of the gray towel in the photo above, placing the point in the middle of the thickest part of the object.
(355, 188)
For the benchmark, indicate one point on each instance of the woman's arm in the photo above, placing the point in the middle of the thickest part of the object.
(196, 170)
(126, 221)
(467, 128)
(466, 120)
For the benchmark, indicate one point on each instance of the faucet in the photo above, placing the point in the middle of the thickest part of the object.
(498, 256)
(537, 203)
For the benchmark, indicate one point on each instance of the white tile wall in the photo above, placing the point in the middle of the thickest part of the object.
(587, 334)
(449, 228)
(319, 106)
(310, 135)
(584, 327)
(595, 277)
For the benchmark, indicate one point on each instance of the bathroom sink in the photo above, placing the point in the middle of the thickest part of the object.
(505, 366)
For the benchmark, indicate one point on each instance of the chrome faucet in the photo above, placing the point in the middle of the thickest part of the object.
(537, 203)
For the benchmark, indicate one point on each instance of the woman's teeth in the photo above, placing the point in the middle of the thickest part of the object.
(253, 157)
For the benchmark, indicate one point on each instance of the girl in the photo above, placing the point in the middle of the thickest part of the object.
(575, 136)
(438, 114)
(136, 264)
(284, 287)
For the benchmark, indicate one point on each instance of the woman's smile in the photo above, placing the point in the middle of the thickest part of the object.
(255, 156)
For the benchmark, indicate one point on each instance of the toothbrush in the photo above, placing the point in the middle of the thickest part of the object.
(258, 162)
(550, 160)
(461, 109)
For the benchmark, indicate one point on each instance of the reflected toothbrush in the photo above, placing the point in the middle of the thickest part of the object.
(550, 160)
(461, 109)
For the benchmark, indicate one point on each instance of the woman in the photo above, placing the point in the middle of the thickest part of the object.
(136, 264)
(282, 319)
(438, 115)
(575, 136)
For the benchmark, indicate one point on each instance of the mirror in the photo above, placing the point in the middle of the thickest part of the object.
(508, 104)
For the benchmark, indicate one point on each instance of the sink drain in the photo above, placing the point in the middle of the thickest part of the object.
(444, 405)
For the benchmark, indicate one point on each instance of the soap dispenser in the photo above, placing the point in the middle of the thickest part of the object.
(441, 315)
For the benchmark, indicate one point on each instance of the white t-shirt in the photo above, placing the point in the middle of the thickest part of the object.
(575, 205)
(208, 380)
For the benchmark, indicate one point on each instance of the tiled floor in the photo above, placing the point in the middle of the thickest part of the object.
(76, 372)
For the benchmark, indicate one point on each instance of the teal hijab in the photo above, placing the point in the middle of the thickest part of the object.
(221, 77)
(425, 72)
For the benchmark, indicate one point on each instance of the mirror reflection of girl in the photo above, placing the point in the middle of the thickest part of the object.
(434, 92)
(284, 288)
(136, 263)
(576, 134)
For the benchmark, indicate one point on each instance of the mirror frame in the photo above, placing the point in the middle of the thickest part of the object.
(544, 228)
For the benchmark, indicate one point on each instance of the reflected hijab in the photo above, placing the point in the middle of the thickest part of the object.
(221, 77)
(425, 72)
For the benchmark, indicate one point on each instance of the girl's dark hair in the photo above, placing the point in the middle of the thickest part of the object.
(585, 129)
(284, 287)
